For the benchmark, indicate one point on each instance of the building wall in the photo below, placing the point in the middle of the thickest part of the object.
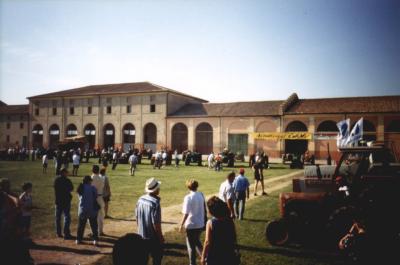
(14, 135)
(140, 115)
(166, 103)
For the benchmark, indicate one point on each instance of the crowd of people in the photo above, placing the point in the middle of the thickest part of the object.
(94, 193)
(220, 243)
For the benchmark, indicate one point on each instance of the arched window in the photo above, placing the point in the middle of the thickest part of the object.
(179, 137)
(54, 135)
(150, 136)
(204, 138)
(90, 134)
(393, 127)
(37, 136)
(128, 132)
(327, 126)
(108, 135)
(369, 131)
(71, 130)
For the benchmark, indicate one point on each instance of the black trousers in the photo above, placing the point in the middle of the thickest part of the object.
(81, 227)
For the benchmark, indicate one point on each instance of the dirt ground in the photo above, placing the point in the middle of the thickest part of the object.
(60, 251)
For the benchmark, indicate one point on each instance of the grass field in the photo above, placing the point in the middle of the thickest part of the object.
(126, 189)
(253, 246)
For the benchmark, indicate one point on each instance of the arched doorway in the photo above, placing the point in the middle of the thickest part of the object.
(128, 136)
(54, 135)
(90, 134)
(297, 147)
(150, 136)
(326, 140)
(179, 137)
(71, 130)
(37, 136)
(108, 135)
(369, 131)
(204, 138)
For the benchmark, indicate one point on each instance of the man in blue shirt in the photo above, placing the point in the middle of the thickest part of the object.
(148, 218)
(242, 191)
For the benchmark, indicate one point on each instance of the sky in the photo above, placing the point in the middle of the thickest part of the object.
(221, 51)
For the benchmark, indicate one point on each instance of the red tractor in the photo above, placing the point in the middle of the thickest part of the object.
(364, 186)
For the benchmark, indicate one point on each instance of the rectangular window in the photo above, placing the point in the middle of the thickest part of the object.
(71, 110)
(54, 111)
(8, 125)
(152, 108)
(128, 109)
(8, 138)
(21, 125)
(37, 111)
(108, 109)
(89, 110)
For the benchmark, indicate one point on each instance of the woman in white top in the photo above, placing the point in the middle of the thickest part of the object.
(193, 220)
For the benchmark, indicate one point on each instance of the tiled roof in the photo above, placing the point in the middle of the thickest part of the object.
(124, 88)
(234, 109)
(14, 109)
(346, 105)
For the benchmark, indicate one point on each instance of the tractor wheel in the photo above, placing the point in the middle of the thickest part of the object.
(339, 223)
(277, 232)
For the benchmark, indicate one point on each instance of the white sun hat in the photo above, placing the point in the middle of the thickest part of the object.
(151, 185)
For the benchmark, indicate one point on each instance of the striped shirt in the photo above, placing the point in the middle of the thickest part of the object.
(148, 213)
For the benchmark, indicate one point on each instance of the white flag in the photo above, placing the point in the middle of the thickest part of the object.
(356, 133)
(344, 129)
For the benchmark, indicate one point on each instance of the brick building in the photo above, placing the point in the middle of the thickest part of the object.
(146, 115)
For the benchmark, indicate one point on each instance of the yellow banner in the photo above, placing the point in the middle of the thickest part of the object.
(282, 136)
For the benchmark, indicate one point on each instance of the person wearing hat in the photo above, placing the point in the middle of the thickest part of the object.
(148, 218)
(63, 188)
(242, 191)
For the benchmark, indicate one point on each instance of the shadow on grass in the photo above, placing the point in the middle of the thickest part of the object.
(127, 219)
(65, 249)
(173, 249)
(293, 252)
(256, 220)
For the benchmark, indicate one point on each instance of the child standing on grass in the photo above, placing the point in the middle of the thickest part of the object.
(26, 206)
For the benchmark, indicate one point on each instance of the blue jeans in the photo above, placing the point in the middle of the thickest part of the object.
(239, 204)
(67, 219)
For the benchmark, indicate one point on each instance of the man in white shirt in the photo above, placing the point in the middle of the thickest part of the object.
(194, 217)
(98, 181)
(226, 192)
(210, 160)
(75, 164)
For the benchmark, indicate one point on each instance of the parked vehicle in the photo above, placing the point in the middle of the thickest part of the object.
(326, 202)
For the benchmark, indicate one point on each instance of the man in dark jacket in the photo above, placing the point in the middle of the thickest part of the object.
(63, 188)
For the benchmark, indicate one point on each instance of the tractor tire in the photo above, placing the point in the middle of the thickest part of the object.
(277, 232)
(339, 223)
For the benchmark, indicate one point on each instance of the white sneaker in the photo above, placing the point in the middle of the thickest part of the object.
(95, 243)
